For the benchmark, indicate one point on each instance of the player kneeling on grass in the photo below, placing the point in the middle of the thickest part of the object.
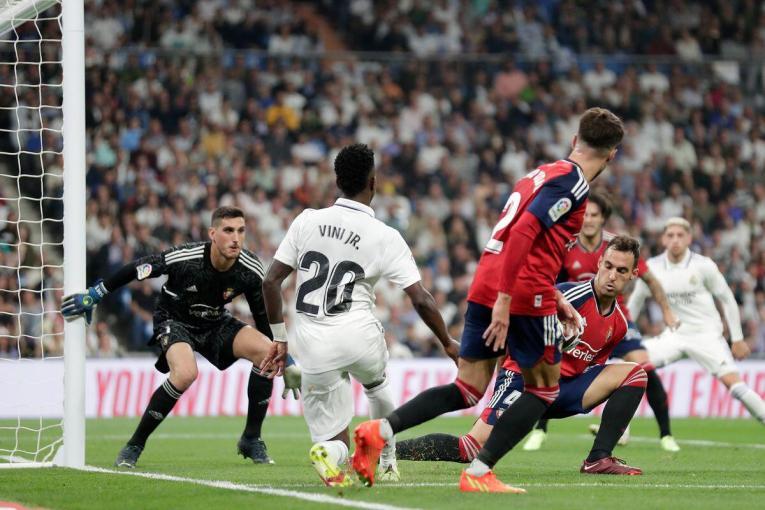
(585, 380)
(340, 252)
(191, 316)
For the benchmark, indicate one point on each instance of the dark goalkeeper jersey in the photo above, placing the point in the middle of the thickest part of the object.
(195, 292)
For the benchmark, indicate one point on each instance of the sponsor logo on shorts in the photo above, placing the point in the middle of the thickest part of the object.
(560, 208)
(143, 271)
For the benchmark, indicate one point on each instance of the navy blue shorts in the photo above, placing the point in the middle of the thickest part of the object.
(632, 341)
(509, 386)
(531, 339)
(472, 345)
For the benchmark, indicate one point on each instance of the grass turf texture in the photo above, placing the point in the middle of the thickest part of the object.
(701, 476)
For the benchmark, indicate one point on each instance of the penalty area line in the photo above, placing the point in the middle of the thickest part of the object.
(271, 491)
(604, 485)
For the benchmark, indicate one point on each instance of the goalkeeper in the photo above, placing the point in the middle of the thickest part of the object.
(586, 381)
(190, 316)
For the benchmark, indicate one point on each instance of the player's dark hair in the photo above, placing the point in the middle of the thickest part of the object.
(626, 244)
(226, 212)
(603, 203)
(600, 129)
(353, 165)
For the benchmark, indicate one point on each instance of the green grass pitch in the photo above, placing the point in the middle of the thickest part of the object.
(722, 465)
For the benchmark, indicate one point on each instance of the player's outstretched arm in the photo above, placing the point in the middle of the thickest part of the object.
(272, 297)
(84, 303)
(657, 291)
(426, 308)
(715, 282)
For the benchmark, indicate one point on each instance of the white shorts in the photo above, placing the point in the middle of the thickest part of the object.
(328, 397)
(708, 350)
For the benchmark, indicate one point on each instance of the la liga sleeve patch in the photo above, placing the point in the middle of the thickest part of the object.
(143, 271)
(560, 208)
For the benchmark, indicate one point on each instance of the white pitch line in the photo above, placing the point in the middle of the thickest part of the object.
(692, 442)
(605, 485)
(272, 491)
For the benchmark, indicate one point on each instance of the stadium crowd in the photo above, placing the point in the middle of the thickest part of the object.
(181, 119)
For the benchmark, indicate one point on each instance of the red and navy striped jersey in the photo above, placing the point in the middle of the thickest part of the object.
(580, 265)
(556, 194)
(603, 329)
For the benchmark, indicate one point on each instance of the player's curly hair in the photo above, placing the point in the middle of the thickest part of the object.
(626, 244)
(603, 203)
(600, 129)
(353, 165)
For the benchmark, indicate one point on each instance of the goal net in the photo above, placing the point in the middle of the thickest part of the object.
(32, 330)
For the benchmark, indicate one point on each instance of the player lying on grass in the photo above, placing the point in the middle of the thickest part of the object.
(190, 316)
(586, 381)
(512, 303)
(339, 253)
(692, 282)
(580, 264)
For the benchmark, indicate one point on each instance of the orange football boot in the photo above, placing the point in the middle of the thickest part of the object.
(369, 445)
(486, 483)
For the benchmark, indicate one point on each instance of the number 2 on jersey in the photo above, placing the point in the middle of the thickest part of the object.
(510, 210)
(339, 271)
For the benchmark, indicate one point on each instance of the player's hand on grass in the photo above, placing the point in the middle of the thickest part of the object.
(496, 334)
(293, 376)
(83, 303)
(273, 364)
(452, 349)
(740, 350)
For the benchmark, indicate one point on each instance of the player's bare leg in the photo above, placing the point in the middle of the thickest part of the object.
(183, 373)
(252, 345)
(623, 384)
(473, 377)
(743, 393)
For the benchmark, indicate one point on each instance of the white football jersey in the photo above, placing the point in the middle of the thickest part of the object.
(690, 286)
(340, 252)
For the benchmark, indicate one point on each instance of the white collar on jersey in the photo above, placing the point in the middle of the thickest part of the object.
(358, 206)
(683, 262)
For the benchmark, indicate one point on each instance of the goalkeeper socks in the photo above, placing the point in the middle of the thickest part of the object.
(381, 404)
(542, 425)
(657, 399)
(511, 427)
(751, 400)
(160, 405)
(258, 395)
(432, 403)
(619, 410)
(435, 447)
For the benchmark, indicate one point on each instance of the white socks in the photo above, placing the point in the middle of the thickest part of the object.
(337, 450)
(751, 400)
(477, 468)
(380, 405)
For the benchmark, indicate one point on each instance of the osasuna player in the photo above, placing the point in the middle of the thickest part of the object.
(340, 253)
(585, 382)
(522, 259)
(190, 316)
(691, 282)
(580, 264)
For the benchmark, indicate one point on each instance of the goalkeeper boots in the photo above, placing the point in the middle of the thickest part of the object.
(329, 471)
(128, 456)
(255, 449)
(668, 444)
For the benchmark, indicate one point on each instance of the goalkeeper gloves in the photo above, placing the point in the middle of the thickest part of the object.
(84, 303)
(292, 379)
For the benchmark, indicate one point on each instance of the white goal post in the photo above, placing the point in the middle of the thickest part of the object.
(42, 173)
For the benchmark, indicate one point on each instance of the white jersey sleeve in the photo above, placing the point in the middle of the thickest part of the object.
(715, 283)
(399, 265)
(289, 249)
(637, 298)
